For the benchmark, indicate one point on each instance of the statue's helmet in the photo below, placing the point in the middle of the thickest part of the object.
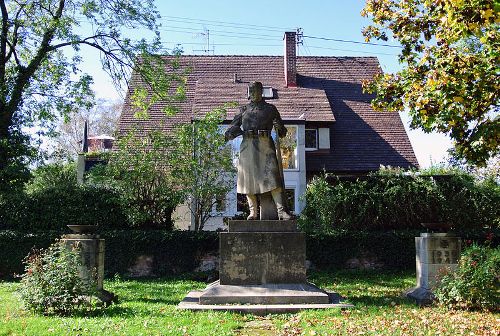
(256, 86)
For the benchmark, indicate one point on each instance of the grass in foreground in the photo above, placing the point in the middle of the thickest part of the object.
(148, 307)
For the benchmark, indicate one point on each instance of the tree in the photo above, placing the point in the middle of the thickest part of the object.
(141, 171)
(450, 79)
(102, 118)
(203, 165)
(41, 43)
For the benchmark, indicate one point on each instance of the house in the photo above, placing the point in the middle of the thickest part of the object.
(332, 126)
(89, 156)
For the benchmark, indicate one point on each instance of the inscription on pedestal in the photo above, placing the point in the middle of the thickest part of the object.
(434, 254)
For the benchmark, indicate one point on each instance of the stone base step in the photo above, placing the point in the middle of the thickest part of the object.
(301, 293)
(192, 302)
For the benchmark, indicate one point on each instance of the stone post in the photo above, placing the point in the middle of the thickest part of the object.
(436, 253)
(91, 248)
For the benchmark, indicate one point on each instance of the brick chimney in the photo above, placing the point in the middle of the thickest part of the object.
(290, 60)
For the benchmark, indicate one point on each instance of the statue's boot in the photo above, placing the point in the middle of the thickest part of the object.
(253, 206)
(283, 214)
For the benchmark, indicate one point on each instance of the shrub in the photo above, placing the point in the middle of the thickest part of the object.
(475, 284)
(393, 199)
(174, 252)
(53, 199)
(148, 193)
(51, 283)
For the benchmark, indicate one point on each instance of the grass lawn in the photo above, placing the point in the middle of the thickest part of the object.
(148, 307)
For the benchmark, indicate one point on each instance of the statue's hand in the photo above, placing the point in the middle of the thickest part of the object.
(231, 134)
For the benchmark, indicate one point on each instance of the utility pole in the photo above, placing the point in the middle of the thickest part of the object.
(300, 38)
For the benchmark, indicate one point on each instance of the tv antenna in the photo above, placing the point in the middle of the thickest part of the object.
(206, 35)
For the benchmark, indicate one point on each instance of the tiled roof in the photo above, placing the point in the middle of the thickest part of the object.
(329, 92)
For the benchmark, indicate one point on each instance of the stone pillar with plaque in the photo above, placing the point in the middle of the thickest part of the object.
(91, 248)
(436, 254)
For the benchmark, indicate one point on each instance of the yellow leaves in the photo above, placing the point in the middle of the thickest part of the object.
(457, 3)
(473, 25)
(486, 14)
(432, 82)
(458, 99)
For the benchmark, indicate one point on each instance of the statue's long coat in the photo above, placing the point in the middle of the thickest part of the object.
(258, 170)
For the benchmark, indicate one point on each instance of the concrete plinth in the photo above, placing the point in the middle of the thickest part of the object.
(192, 302)
(91, 248)
(262, 270)
(302, 293)
(436, 254)
(253, 258)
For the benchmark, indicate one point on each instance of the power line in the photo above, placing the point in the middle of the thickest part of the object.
(218, 31)
(267, 28)
(190, 31)
(222, 44)
(349, 50)
(350, 41)
(282, 29)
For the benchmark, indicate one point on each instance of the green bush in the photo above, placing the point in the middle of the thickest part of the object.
(393, 200)
(475, 284)
(51, 283)
(53, 199)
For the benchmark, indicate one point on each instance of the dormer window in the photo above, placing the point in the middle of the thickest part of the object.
(267, 92)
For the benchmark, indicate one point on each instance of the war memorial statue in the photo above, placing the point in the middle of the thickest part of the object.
(259, 171)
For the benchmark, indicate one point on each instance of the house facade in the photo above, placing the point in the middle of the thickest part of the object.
(331, 125)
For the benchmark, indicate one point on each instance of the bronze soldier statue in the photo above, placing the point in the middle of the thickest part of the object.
(258, 170)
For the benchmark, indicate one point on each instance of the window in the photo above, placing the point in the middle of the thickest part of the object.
(267, 92)
(220, 203)
(290, 196)
(242, 205)
(289, 148)
(311, 139)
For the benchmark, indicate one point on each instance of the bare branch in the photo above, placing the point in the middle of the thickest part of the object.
(3, 42)
(12, 45)
(26, 73)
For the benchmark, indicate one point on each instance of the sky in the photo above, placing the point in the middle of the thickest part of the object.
(224, 27)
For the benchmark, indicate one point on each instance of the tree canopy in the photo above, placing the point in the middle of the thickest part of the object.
(41, 43)
(450, 79)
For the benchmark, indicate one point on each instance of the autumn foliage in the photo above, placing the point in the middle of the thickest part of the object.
(450, 59)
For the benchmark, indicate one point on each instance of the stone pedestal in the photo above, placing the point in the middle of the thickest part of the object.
(267, 252)
(436, 253)
(262, 270)
(91, 248)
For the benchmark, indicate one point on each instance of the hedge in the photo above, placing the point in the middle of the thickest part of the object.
(396, 201)
(176, 252)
